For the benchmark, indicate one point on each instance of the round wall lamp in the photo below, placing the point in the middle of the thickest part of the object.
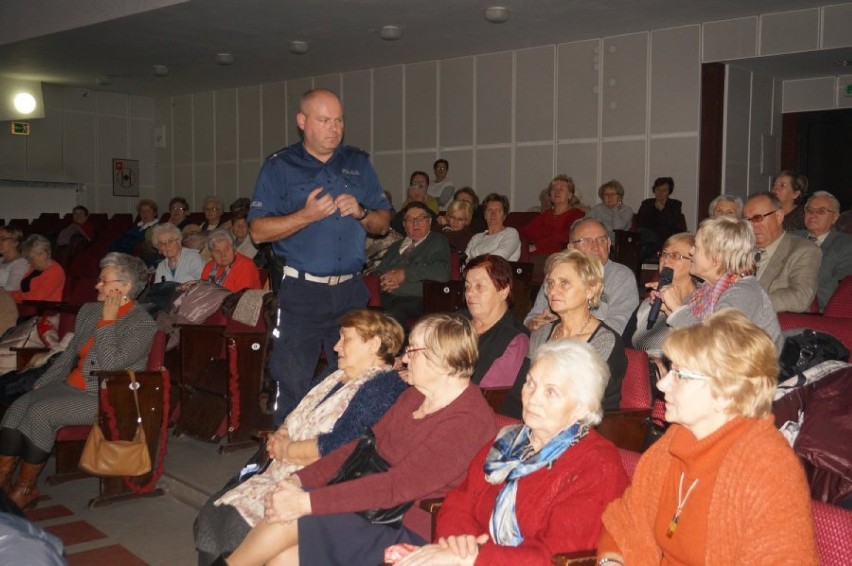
(297, 47)
(24, 103)
(390, 33)
(497, 14)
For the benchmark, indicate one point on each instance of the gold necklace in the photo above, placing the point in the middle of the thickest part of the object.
(681, 503)
(563, 329)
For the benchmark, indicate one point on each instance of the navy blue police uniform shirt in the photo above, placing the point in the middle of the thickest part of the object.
(336, 244)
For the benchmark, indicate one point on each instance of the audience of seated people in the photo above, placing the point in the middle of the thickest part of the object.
(726, 205)
(541, 486)
(611, 211)
(659, 217)
(228, 268)
(179, 264)
(421, 255)
(821, 214)
(640, 333)
(723, 257)
(549, 232)
(791, 189)
(787, 265)
(113, 333)
(498, 239)
(455, 225)
(620, 295)
(140, 234)
(333, 413)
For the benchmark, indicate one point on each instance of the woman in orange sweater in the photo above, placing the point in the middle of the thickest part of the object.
(46, 278)
(722, 486)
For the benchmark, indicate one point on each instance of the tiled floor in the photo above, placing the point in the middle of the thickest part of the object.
(156, 531)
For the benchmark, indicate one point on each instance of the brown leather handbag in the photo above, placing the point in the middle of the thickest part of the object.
(102, 457)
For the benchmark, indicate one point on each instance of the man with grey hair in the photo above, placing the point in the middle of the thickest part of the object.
(316, 201)
(821, 213)
(787, 265)
(620, 296)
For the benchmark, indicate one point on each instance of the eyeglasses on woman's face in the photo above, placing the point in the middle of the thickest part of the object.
(676, 256)
(683, 375)
(409, 351)
(169, 242)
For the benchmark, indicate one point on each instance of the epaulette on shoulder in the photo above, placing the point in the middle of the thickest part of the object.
(277, 154)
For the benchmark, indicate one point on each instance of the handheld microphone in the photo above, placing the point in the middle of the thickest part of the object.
(666, 276)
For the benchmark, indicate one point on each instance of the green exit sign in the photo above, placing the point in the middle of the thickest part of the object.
(849, 89)
(20, 128)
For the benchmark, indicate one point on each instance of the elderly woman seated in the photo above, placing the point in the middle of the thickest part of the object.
(541, 486)
(113, 333)
(725, 205)
(722, 486)
(421, 255)
(13, 266)
(723, 256)
(498, 239)
(229, 268)
(335, 412)
(503, 340)
(455, 225)
(428, 438)
(180, 264)
(45, 279)
(611, 211)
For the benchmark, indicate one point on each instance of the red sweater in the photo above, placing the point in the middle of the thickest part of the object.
(45, 287)
(428, 457)
(549, 231)
(558, 508)
(243, 274)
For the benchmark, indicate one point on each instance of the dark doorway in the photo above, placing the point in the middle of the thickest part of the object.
(819, 144)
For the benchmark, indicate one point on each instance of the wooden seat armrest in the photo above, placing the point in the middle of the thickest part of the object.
(626, 429)
(244, 333)
(29, 349)
(191, 325)
(23, 355)
(576, 558)
(432, 505)
(106, 374)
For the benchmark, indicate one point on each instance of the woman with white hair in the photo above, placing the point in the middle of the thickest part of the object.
(541, 486)
(180, 264)
(723, 256)
(726, 205)
(229, 268)
(722, 485)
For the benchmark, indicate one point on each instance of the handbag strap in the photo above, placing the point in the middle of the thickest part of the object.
(134, 386)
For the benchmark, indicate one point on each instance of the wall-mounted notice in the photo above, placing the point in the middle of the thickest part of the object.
(125, 177)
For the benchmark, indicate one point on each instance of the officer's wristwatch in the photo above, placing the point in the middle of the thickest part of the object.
(364, 212)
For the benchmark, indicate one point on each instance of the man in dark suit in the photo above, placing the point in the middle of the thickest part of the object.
(787, 265)
(821, 213)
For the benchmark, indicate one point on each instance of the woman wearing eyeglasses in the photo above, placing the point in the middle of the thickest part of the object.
(723, 256)
(574, 285)
(113, 333)
(178, 211)
(179, 264)
(428, 437)
(45, 279)
(675, 255)
(722, 486)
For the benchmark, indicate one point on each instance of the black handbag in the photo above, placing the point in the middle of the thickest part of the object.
(366, 461)
(807, 349)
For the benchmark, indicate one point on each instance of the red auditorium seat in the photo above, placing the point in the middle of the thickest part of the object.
(840, 303)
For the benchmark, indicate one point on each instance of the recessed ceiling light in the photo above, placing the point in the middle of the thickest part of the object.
(24, 102)
(161, 71)
(104, 80)
(843, 63)
(390, 33)
(224, 59)
(298, 47)
(497, 14)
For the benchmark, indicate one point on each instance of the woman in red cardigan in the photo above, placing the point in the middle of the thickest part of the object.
(45, 279)
(229, 268)
(549, 232)
(541, 486)
(722, 486)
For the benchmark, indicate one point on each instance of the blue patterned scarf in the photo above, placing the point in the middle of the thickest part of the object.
(506, 463)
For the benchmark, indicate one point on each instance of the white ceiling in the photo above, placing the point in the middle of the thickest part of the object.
(74, 43)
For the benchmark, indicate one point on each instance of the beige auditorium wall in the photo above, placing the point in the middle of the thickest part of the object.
(82, 132)
(624, 107)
